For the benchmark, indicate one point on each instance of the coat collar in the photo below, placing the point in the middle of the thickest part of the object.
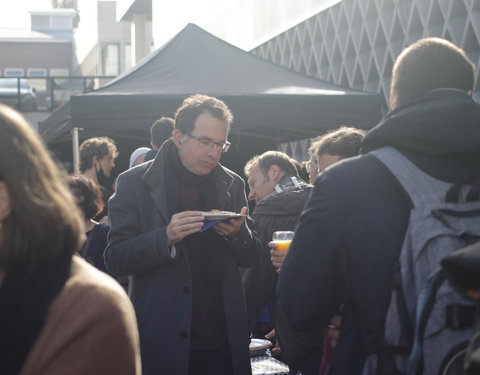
(154, 176)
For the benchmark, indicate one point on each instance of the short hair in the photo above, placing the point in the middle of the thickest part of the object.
(44, 223)
(298, 166)
(99, 147)
(344, 142)
(161, 130)
(269, 158)
(87, 195)
(302, 172)
(429, 64)
(195, 105)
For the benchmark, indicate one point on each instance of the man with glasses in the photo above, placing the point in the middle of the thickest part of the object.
(185, 282)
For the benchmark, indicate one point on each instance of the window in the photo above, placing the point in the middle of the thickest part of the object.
(13, 72)
(34, 75)
(62, 23)
(57, 72)
(36, 72)
(128, 56)
(111, 60)
(41, 22)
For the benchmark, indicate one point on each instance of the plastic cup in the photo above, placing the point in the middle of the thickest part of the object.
(283, 239)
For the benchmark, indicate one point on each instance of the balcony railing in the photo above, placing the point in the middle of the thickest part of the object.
(32, 94)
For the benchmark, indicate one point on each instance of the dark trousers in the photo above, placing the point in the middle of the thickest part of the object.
(211, 362)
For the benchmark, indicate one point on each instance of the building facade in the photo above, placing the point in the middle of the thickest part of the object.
(43, 51)
(355, 42)
(103, 41)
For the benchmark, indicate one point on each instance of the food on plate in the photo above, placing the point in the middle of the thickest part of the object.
(219, 214)
(215, 211)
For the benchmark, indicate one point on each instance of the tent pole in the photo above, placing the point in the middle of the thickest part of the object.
(75, 150)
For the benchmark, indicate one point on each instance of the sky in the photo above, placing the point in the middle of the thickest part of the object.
(230, 26)
(15, 14)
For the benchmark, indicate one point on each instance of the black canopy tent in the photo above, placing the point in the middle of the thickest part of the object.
(271, 104)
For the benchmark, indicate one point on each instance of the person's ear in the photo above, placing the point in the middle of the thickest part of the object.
(274, 173)
(177, 137)
(5, 202)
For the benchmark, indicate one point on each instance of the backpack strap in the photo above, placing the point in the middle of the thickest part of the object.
(426, 301)
(419, 186)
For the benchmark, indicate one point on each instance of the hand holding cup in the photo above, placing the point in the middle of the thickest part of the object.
(279, 247)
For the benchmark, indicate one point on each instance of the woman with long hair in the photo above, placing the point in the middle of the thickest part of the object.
(58, 314)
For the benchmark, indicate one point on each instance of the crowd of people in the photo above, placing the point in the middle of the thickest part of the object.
(130, 277)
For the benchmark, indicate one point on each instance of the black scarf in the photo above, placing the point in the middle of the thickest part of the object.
(212, 246)
(24, 302)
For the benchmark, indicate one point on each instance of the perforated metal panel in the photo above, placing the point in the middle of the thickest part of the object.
(355, 42)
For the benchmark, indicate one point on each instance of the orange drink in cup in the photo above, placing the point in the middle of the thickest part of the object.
(283, 239)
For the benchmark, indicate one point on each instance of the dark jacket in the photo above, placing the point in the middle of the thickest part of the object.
(161, 283)
(352, 229)
(150, 155)
(96, 242)
(280, 210)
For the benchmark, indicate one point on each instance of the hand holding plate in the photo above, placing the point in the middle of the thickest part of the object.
(183, 224)
(233, 227)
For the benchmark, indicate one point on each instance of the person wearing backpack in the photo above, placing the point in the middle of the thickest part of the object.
(347, 245)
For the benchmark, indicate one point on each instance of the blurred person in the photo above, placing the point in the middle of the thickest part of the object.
(311, 164)
(97, 159)
(58, 314)
(349, 236)
(89, 199)
(160, 131)
(337, 144)
(138, 156)
(185, 285)
(328, 149)
(280, 197)
(302, 171)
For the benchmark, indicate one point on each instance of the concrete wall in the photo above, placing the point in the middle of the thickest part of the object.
(36, 55)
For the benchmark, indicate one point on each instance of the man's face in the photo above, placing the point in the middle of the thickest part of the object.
(326, 160)
(197, 157)
(107, 164)
(260, 185)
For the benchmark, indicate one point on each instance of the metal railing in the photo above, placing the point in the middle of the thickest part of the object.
(44, 94)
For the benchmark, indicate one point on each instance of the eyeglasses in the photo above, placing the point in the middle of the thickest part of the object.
(311, 163)
(208, 143)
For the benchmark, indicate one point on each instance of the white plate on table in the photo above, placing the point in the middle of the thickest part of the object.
(259, 346)
(220, 215)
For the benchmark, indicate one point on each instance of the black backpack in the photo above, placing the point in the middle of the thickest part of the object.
(462, 270)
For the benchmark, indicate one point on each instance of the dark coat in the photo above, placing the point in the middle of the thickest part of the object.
(350, 234)
(96, 246)
(278, 211)
(161, 283)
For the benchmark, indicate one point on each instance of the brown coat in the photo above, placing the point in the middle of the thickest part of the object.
(90, 329)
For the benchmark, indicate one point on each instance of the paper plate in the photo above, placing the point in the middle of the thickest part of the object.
(220, 215)
(259, 346)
